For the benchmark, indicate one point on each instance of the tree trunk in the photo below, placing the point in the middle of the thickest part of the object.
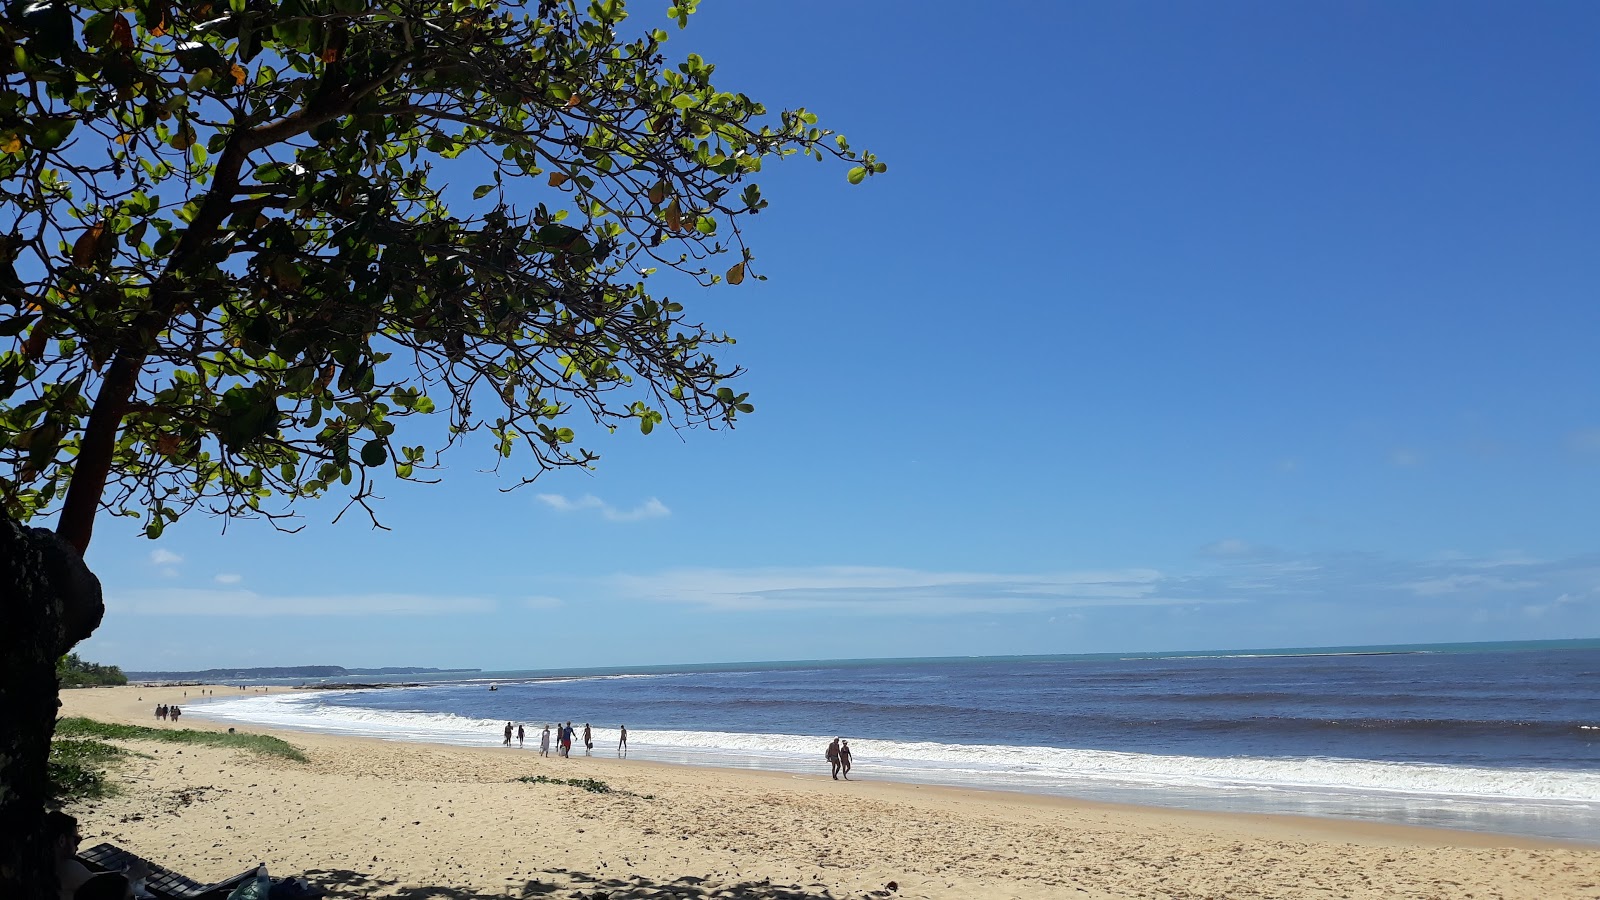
(48, 602)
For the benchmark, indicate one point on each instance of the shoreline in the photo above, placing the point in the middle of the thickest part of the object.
(369, 817)
(1533, 816)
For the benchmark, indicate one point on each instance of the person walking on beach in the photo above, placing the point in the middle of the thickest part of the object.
(566, 740)
(622, 741)
(588, 740)
(544, 742)
(833, 757)
(173, 712)
(844, 758)
(507, 741)
(519, 737)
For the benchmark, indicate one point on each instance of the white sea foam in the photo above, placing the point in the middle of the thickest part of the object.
(1040, 769)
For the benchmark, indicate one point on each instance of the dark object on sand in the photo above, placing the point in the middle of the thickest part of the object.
(166, 884)
(102, 886)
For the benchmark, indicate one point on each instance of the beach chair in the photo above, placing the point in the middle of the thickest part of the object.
(162, 883)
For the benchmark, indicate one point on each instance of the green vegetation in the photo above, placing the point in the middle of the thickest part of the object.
(78, 769)
(262, 744)
(249, 240)
(74, 672)
(591, 785)
(588, 784)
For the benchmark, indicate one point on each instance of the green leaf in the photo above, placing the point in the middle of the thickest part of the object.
(49, 134)
(373, 453)
(857, 174)
(482, 191)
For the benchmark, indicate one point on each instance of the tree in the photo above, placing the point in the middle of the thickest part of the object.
(74, 672)
(241, 241)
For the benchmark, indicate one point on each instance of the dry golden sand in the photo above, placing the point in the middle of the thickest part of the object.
(368, 818)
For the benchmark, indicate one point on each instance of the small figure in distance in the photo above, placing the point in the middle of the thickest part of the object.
(622, 740)
(519, 737)
(844, 758)
(544, 742)
(172, 713)
(833, 757)
(507, 741)
(588, 740)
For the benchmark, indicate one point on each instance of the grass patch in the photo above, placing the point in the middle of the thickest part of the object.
(264, 745)
(593, 786)
(78, 769)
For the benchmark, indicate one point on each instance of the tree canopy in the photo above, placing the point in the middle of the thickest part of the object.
(239, 243)
(74, 672)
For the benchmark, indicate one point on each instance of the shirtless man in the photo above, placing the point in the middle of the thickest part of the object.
(833, 757)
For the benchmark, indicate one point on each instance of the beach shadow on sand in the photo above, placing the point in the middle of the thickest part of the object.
(565, 884)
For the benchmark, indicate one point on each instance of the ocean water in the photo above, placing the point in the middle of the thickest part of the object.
(1499, 738)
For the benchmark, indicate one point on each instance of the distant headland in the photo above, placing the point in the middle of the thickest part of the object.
(285, 672)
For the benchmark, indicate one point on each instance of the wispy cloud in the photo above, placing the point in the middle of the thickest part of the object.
(650, 509)
(1237, 549)
(1404, 457)
(1585, 442)
(1238, 574)
(228, 578)
(541, 602)
(220, 602)
(890, 591)
(1458, 583)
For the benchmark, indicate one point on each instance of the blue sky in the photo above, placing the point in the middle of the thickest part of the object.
(1171, 327)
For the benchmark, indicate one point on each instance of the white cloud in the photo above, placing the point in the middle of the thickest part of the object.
(164, 557)
(219, 602)
(541, 602)
(892, 591)
(650, 509)
(228, 578)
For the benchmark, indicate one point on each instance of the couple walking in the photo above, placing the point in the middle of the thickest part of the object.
(839, 756)
(520, 735)
(565, 734)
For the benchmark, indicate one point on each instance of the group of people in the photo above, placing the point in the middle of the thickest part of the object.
(168, 713)
(564, 737)
(839, 757)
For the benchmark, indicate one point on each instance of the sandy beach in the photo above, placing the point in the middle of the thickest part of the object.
(369, 818)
